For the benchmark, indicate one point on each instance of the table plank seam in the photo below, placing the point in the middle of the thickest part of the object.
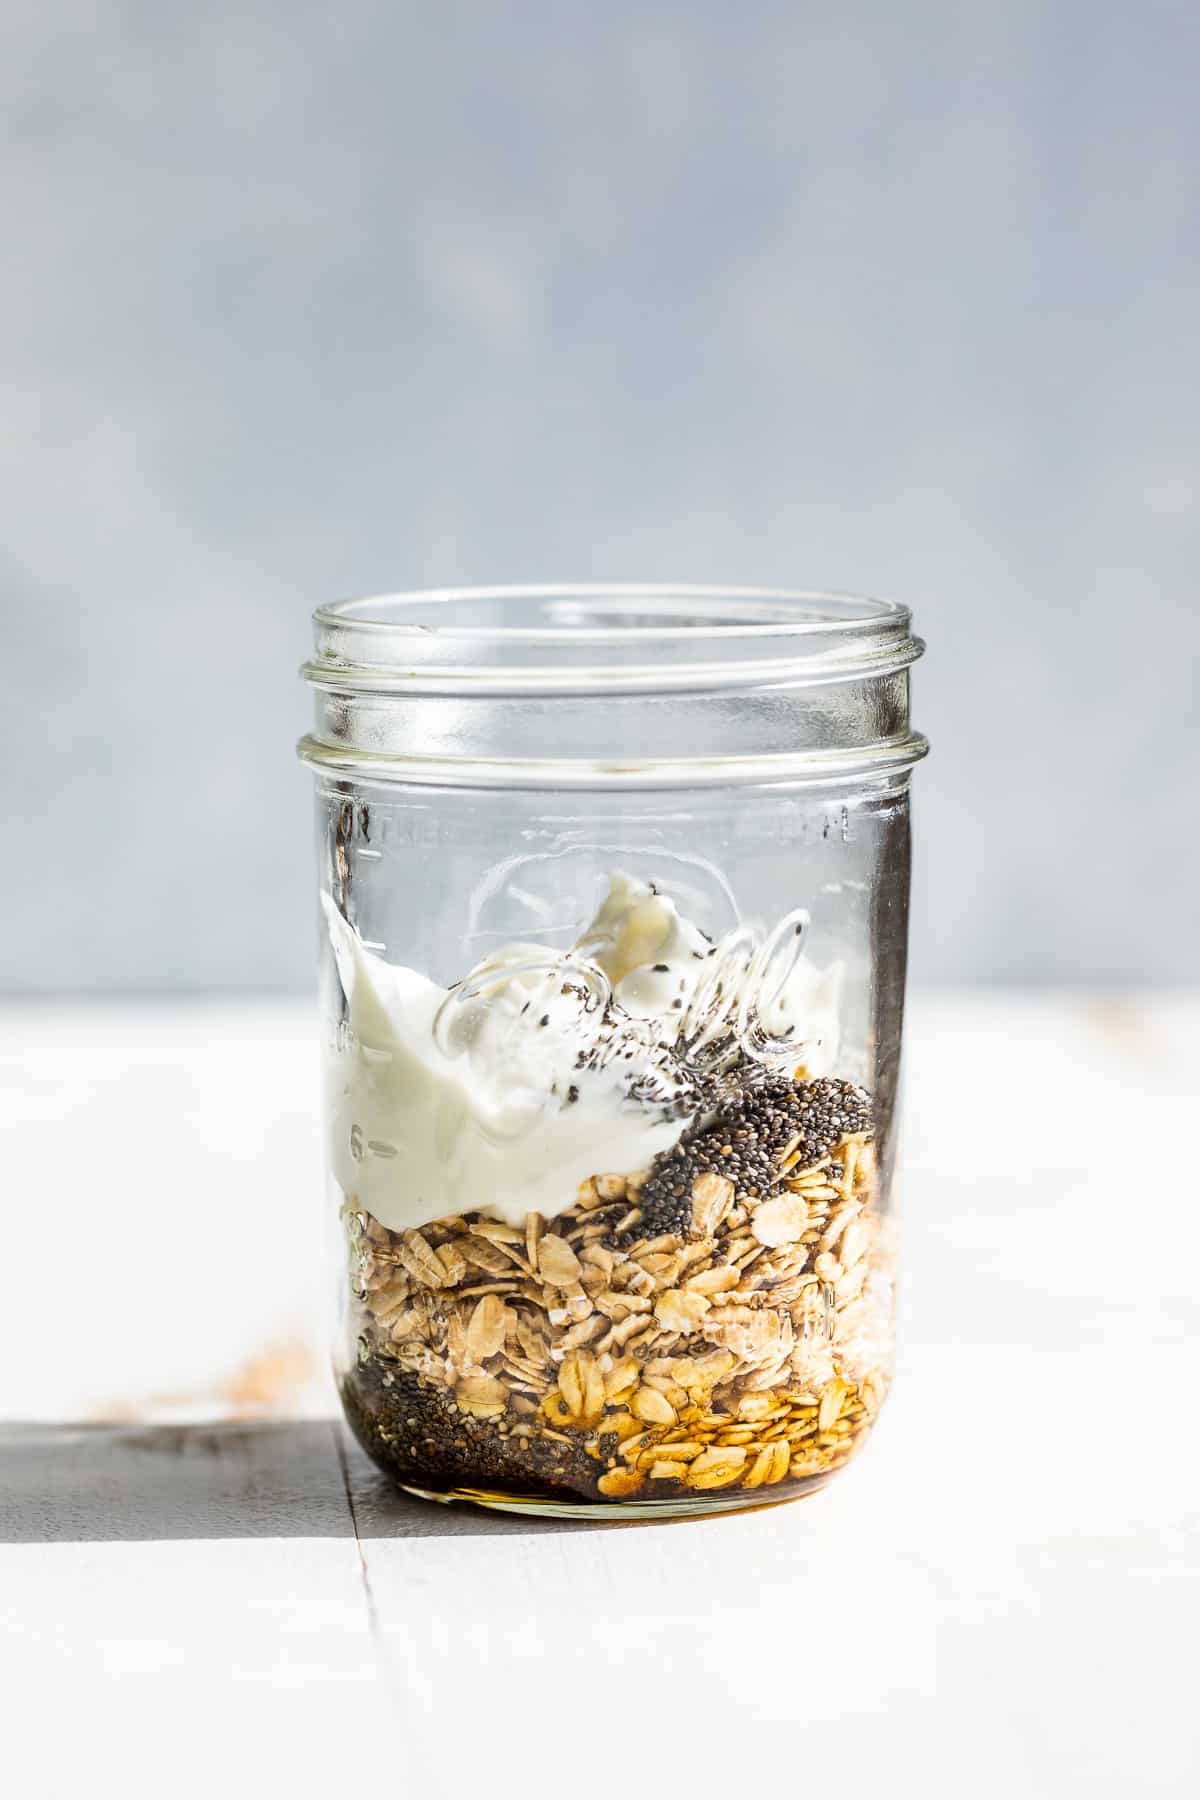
(364, 1572)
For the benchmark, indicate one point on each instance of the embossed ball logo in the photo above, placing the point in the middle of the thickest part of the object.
(548, 1015)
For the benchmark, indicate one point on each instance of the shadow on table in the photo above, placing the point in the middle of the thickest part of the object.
(299, 1478)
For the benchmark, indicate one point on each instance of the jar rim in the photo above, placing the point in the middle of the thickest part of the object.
(792, 612)
(604, 635)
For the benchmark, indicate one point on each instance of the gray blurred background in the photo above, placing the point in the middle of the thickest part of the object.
(302, 301)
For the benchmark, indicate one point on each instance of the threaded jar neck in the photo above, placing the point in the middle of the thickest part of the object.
(604, 686)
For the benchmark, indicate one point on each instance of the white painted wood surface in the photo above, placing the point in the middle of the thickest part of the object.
(999, 1599)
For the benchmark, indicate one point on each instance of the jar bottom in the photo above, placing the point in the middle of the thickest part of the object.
(623, 1511)
(443, 1470)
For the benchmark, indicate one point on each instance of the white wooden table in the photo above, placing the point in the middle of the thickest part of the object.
(215, 1594)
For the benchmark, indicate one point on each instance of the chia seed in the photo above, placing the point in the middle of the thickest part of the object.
(453, 1449)
(742, 1139)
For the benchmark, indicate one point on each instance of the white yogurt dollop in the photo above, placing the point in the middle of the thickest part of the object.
(501, 1095)
(652, 957)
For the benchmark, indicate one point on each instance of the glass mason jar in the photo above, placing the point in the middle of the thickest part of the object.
(614, 889)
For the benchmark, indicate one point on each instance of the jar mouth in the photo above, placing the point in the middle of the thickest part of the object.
(547, 687)
(604, 636)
